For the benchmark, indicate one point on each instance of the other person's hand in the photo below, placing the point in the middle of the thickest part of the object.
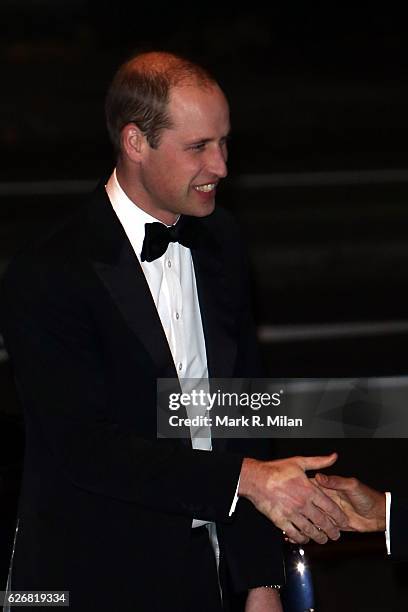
(363, 506)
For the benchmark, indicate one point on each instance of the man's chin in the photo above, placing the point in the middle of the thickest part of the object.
(203, 210)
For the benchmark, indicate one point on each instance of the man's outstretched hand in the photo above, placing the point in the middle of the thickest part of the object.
(363, 506)
(282, 491)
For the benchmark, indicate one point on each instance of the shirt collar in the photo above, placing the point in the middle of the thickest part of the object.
(132, 218)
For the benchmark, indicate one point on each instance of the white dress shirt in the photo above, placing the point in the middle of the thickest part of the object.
(387, 521)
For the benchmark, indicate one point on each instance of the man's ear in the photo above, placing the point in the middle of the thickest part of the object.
(133, 142)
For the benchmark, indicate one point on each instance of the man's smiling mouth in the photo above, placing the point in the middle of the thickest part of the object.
(206, 188)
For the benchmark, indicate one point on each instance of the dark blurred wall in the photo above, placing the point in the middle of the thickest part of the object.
(310, 88)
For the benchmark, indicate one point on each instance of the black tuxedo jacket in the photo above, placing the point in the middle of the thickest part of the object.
(106, 508)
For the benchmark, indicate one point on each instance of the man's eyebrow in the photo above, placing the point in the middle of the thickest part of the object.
(205, 140)
(199, 140)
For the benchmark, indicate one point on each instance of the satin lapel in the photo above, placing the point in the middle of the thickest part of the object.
(128, 287)
(217, 320)
(216, 314)
(117, 266)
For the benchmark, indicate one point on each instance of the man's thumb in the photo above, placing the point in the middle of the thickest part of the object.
(317, 463)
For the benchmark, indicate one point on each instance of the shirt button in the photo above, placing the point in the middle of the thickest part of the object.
(180, 366)
(168, 263)
(177, 316)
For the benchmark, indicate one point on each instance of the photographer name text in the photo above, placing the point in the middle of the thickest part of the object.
(242, 421)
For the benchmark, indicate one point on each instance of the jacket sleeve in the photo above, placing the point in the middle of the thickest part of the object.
(399, 527)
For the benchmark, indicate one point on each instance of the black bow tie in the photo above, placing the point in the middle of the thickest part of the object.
(158, 236)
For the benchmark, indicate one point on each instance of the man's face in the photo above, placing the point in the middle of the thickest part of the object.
(181, 175)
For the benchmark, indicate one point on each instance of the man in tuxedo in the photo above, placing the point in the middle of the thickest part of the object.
(370, 510)
(148, 281)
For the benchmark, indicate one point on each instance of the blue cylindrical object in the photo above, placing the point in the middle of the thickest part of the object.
(297, 594)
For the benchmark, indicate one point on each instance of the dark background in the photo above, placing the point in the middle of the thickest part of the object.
(318, 180)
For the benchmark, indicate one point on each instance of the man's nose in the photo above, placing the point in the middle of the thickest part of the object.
(217, 163)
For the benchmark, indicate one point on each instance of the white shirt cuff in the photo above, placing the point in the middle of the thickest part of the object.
(387, 521)
(235, 500)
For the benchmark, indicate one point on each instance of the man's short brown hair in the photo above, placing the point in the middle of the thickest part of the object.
(140, 93)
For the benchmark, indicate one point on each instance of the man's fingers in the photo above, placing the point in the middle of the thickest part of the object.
(309, 530)
(317, 463)
(322, 522)
(328, 506)
(294, 535)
